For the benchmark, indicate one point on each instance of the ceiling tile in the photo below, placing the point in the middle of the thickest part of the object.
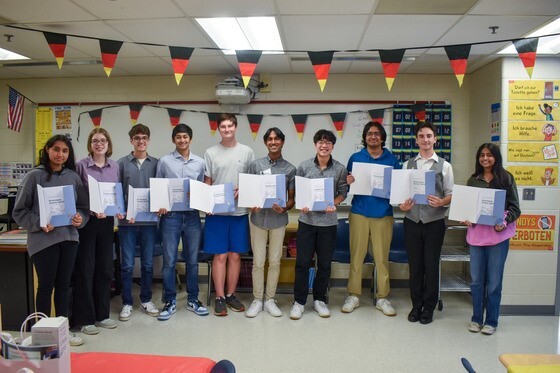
(293, 7)
(424, 7)
(129, 9)
(43, 11)
(517, 7)
(220, 8)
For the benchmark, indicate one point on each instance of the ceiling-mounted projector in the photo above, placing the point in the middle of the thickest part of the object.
(231, 91)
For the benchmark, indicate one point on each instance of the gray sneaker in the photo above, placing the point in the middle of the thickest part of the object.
(220, 308)
(234, 303)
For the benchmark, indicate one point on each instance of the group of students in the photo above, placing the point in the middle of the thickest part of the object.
(79, 256)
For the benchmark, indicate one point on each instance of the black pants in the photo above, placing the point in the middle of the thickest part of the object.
(423, 244)
(54, 266)
(93, 272)
(313, 240)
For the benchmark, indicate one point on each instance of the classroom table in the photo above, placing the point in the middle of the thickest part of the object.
(531, 363)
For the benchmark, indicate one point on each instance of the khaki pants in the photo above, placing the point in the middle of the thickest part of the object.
(378, 232)
(259, 239)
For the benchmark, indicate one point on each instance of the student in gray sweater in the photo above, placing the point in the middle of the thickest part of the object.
(52, 249)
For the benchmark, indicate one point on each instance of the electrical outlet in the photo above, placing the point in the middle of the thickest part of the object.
(265, 79)
(528, 194)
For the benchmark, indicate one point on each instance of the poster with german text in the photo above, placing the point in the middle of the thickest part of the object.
(532, 152)
(534, 232)
(534, 175)
(534, 90)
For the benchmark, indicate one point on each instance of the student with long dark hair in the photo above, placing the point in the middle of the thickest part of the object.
(52, 249)
(489, 245)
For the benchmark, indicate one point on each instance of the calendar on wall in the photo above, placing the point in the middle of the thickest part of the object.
(403, 141)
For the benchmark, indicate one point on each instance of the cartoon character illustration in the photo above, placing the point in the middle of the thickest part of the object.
(547, 179)
(547, 111)
(549, 130)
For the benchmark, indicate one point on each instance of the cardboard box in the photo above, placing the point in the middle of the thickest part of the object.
(52, 331)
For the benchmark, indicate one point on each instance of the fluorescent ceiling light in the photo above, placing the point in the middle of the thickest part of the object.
(6, 55)
(547, 45)
(243, 33)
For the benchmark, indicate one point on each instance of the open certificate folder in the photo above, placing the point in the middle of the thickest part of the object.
(213, 199)
(105, 197)
(138, 207)
(315, 194)
(170, 194)
(477, 205)
(415, 184)
(57, 205)
(371, 179)
(262, 190)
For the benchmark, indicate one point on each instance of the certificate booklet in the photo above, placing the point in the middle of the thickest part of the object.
(415, 184)
(57, 205)
(477, 205)
(262, 190)
(315, 194)
(213, 199)
(105, 197)
(371, 179)
(170, 194)
(138, 207)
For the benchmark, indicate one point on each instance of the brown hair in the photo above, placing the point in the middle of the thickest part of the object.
(104, 132)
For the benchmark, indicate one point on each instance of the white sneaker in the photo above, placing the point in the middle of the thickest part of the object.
(271, 307)
(107, 324)
(89, 329)
(125, 313)
(255, 308)
(150, 308)
(488, 330)
(474, 327)
(321, 308)
(75, 340)
(350, 304)
(384, 306)
(297, 311)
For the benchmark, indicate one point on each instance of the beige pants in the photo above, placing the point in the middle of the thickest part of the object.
(378, 232)
(259, 239)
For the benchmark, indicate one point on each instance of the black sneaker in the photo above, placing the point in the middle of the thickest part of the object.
(220, 308)
(234, 303)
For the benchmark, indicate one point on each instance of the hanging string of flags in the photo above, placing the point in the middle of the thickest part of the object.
(321, 60)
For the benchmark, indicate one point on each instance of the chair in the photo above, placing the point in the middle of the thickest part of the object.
(7, 218)
(397, 252)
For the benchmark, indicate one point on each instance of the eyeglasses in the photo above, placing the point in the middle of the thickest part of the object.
(140, 138)
(101, 141)
(324, 143)
(373, 134)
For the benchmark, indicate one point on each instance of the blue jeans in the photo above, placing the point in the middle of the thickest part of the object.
(129, 236)
(184, 225)
(487, 272)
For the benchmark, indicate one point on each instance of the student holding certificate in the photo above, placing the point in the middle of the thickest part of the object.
(317, 229)
(135, 170)
(226, 235)
(489, 245)
(371, 222)
(268, 225)
(52, 249)
(94, 264)
(424, 226)
(184, 225)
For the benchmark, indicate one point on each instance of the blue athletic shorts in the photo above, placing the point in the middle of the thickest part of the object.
(225, 233)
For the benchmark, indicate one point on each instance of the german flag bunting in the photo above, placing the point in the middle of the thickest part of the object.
(135, 110)
(254, 123)
(174, 116)
(338, 121)
(180, 57)
(419, 111)
(95, 116)
(57, 43)
(377, 115)
(109, 51)
(391, 61)
(213, 120)
(321, 62)
(458, 56)
(527, 50)
(299, 122)
(248, 60)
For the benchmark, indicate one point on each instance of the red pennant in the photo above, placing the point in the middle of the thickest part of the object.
(527, 50)
(254, 123)
(213, 120)
(338, 121)
(299, 122)
(419, 111)
(377, 115)
(109, 51)
(174, 116)
(134, 112)
(321, 62)
(391, 61)
(95, 116)
(248, 60)
(57, 43)
(458, 56)
(180, 57)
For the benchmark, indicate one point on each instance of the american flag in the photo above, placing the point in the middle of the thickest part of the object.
(15, 110)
